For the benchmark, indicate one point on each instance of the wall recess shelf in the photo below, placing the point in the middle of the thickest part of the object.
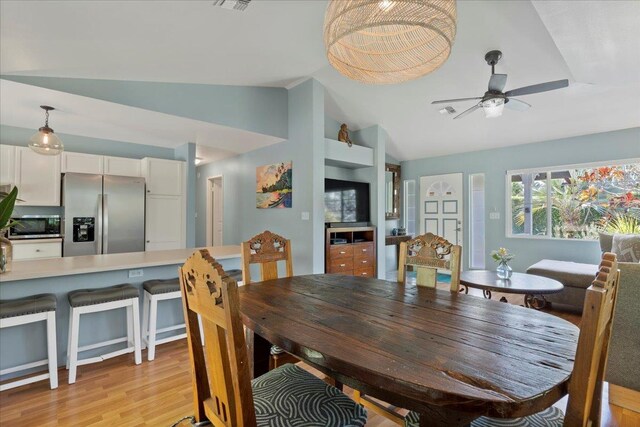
(339, 154)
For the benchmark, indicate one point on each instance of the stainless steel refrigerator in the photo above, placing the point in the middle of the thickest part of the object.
(102, 214)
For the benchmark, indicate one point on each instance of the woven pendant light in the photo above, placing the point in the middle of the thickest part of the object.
(388, 41)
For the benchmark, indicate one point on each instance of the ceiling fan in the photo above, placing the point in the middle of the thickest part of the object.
(494, 100)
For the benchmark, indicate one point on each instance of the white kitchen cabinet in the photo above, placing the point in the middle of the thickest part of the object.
(121, 166)
(81, 163)
(36, 249)
(164, 226)
(7, 165)
(37, 178)
(164, 177)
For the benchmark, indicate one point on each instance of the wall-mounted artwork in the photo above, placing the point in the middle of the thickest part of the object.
(273, 186)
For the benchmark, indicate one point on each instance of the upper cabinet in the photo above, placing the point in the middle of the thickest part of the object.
(164, 177)
(7, 165)
(37, 178)
(121, 166)
(81, 163)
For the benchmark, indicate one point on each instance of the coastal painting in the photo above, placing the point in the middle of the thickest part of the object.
(273, 186)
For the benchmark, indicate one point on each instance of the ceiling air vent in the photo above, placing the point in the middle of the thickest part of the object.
(447, 110)
(232, 4)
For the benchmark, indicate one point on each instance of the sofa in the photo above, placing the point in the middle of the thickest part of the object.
(577, 277)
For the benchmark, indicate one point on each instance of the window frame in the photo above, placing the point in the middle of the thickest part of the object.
(548, 170)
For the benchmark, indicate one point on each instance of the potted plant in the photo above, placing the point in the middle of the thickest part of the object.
(7, 202)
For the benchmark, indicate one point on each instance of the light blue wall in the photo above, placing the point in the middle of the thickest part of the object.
(17, 349)
(331, 127)
(622, 144)
(305, 148)
(11, 135)
(257, 109)
(375, 137)
(187, 152)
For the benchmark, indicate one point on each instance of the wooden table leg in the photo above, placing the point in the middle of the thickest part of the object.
(442, 417)
(259, 350)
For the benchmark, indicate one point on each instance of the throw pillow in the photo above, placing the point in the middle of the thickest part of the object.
(626, 247)
(606, 241)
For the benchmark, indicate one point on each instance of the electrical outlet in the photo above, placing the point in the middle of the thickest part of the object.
(494, 215)
(136, 273)
(305, 216)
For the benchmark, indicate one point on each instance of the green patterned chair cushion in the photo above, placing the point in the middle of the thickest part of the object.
(550, 417)
(291, 396)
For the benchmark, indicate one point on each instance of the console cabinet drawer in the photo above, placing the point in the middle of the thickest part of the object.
(363, 250)
(364, 272)
(341, 251)
(341, 265)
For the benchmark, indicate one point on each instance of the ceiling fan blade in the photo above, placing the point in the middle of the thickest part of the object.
(516, 104)
(469, 111)
(541, 87)
(446, 101)
(497, 82)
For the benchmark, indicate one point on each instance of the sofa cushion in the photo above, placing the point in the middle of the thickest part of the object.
(572, 274)
(626, 247)
(606, 240)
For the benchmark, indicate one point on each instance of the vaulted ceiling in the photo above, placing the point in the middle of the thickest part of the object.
(595, 44)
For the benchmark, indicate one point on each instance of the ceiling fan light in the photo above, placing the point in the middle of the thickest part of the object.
(493, 107)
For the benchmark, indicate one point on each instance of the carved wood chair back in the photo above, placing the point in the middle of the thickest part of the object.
(585, 387)
(266, 249)
(220, 370)
(426, 254)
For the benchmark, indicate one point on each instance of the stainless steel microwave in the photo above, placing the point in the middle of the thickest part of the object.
(36, 227)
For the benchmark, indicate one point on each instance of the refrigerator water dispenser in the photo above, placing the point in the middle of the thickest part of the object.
(84, 229)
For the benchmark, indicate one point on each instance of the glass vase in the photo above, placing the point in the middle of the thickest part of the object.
(503, 270)
(6, 255)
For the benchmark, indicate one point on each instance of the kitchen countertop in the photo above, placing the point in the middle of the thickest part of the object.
(53, 267)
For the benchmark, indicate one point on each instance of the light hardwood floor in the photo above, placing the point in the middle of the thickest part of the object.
(118, 393)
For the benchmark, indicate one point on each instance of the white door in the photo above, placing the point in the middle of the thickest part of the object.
(215, 212)
(441, 209)
(164, 176)
(81, 163)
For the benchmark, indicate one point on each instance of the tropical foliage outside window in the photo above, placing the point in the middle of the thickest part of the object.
(575, 202)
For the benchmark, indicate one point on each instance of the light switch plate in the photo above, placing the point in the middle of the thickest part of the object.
(305, 216)
(136, 273)
(494, 215)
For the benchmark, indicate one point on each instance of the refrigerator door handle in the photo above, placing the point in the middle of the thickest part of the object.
(105, 226)
(99, 225)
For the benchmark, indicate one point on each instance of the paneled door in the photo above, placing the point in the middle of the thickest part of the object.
(441, 208)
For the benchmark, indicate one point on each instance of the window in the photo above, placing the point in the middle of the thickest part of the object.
(476, 221)
(409, 210)
(574, 202)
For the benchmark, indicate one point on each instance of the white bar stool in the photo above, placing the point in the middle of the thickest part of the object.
(161, 290)
(154, 291)
(103, 299)
(31, 309)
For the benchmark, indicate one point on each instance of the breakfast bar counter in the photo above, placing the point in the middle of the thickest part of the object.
(59, 276)
(53, 267)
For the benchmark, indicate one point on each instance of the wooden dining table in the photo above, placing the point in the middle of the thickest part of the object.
(449, 356)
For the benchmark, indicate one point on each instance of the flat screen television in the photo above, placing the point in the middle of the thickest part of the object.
(346, 201)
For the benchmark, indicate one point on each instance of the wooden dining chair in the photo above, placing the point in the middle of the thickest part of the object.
(223, 392)
(585, 386)
(426, 254)
(267, 249)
